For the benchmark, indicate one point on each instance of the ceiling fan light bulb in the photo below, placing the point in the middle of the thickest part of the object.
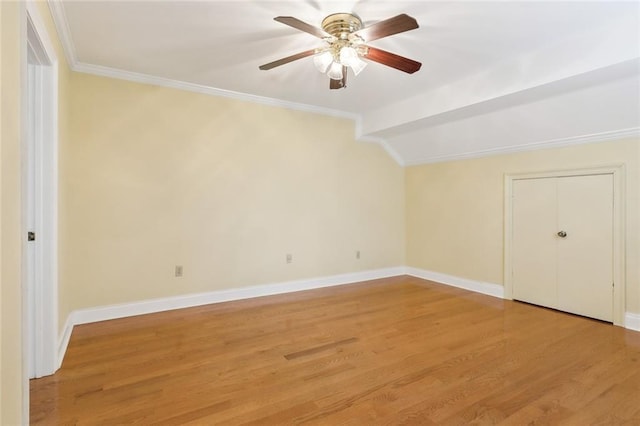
(322, 61)
(335, 71)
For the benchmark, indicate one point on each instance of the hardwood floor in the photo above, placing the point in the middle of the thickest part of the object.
(393, 351)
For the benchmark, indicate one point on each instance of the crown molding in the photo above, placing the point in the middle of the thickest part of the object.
(64, 31)
(212, 91)
(59, 17)
(553, 143)
(207, 90)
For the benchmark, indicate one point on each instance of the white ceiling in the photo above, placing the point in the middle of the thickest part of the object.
(496, 76)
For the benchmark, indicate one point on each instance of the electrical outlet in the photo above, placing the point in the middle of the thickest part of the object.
(358, 254)
(178, 271)
(289, 258)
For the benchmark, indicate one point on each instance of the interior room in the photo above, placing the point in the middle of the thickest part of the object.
(326, 212)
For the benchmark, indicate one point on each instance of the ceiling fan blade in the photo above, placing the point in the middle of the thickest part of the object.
(395, 25)
(339, 84)
(392, 60)
(302, 26)
(287, 59)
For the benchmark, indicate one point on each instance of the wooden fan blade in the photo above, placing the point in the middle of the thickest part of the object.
(288, 59)
(392, 60)
(302, 26)
(391, 26)
(339, 84)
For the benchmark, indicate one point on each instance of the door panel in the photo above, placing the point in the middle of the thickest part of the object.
(585, 255)
(534, 243)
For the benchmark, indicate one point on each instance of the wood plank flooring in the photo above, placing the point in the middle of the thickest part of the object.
(396, 351)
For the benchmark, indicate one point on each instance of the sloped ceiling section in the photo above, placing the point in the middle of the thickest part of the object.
(496, 76)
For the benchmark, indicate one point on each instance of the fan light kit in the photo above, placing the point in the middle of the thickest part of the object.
(344, 45)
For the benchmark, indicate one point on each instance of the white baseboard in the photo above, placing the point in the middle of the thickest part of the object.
(63, 341)
(632, 321)
(489, 289)
(103, 313)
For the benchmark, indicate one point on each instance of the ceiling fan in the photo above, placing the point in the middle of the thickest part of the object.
(344, 45)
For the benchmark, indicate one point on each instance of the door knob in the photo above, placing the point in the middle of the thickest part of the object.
(562, 234)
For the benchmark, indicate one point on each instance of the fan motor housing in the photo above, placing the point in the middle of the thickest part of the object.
(340, 25)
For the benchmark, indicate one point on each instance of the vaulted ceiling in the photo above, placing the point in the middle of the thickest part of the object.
(496, 76)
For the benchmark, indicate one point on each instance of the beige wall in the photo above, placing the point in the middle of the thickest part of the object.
(156, 177)
(11, 380)
(455, 209)
(153, 177)
(12, 41)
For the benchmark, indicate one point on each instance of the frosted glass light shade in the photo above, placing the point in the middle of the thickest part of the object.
(335, 71)
(358, 65)
(348, 56)
(322, 61)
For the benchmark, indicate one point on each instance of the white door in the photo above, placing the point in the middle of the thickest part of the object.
(39, 194)
(585, 255)
(563, 243)
(534, 241)
(30, 212)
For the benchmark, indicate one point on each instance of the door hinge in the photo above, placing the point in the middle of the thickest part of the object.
(31, 236)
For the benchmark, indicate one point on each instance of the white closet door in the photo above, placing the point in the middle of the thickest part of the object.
(562, 243)
(585, 254)
(534, 255)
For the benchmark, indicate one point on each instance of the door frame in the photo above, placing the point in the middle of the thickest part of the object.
(619, 228)
(44, 307)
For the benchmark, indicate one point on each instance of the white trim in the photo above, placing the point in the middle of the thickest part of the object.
(64, 31)
(360, 137)
(64, 339)
(46, 289)
(103, 313)
(632, 321)
(41, 31)
(553, 143)
(212, 91)
(490, 289)
(619, 228)
(392, 152)
(384, 145)
(206, 90)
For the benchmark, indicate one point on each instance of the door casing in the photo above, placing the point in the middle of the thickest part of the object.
(43, 305)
